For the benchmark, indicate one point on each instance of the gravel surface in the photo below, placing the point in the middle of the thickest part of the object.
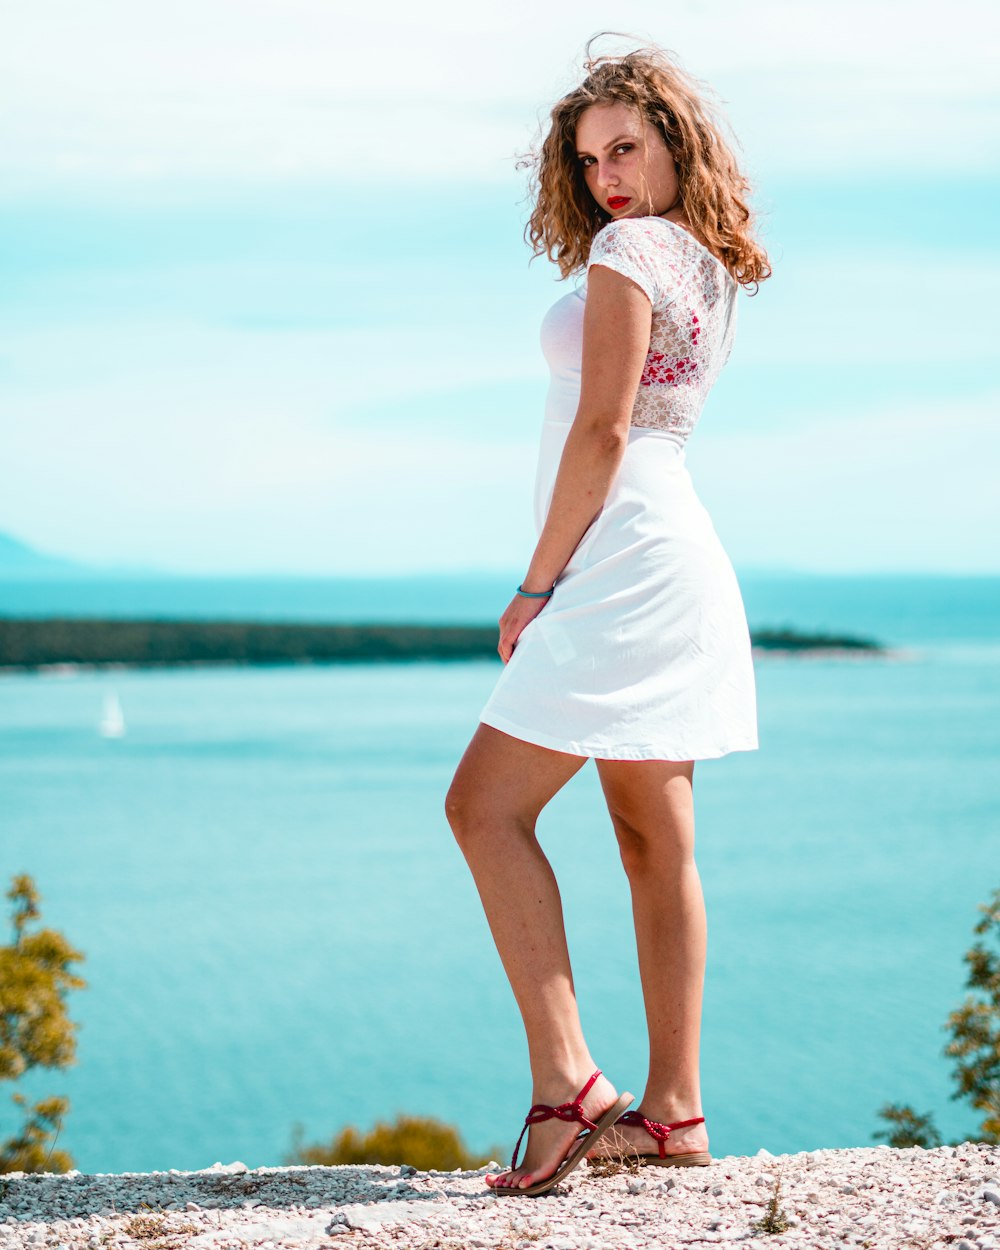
(871, 1197)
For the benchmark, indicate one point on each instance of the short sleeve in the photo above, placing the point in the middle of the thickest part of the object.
(630, 248)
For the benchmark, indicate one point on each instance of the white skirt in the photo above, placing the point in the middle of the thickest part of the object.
(643, 650)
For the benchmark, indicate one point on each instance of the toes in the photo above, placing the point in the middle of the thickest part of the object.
(509, 1180)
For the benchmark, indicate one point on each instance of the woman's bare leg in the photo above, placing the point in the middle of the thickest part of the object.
(651, 804)
(499, 789)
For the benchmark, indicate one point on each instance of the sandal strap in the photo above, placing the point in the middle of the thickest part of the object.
(571, 1112)
(659, 1132)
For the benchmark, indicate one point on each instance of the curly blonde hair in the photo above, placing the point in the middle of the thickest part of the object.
(713, 189)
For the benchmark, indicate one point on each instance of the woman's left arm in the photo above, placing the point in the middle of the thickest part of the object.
(616, 329)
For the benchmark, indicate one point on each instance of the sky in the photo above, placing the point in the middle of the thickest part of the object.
(265, 306)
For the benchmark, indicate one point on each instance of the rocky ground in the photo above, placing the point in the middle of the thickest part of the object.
(869, 1197)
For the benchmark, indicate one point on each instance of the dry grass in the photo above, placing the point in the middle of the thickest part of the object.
(774, 1219)
(617, 1156)
(519, 1232)
(156, 1231)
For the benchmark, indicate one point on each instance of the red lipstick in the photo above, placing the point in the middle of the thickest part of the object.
(618, 201)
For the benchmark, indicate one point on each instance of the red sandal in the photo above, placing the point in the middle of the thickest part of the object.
(660, 1132)
(572, 1113)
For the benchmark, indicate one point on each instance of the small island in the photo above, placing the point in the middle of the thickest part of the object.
(37, 643)
(796, 641)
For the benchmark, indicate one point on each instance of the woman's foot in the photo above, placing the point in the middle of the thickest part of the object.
(550, 1141)
(626, 1141)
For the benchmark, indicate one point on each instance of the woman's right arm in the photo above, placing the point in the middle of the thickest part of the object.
(616, 330)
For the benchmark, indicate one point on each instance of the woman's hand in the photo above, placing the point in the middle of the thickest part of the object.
(519, 613)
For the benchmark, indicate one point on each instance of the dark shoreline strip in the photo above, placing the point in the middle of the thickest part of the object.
(31, 643)
(28, 643)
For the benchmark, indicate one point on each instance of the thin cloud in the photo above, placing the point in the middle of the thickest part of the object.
(114, 91)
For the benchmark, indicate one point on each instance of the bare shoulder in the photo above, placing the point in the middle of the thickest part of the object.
(609, 288)
(617, 326)
(616, 332)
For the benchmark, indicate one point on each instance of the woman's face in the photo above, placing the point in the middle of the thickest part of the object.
(627, 166)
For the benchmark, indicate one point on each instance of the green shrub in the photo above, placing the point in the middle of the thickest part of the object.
(35, 1031)
(910, 1128)
(974, 1045)
(419, 1141)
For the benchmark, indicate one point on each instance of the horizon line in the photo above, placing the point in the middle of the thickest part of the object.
(83, 572)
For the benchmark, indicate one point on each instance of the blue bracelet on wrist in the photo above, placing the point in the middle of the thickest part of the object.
(535, 594)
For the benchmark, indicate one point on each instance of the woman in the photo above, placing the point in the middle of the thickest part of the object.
(627, 640)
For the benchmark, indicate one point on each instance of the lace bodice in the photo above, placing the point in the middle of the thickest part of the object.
(694, 319)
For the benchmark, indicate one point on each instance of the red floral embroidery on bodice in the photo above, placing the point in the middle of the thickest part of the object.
(694, 316)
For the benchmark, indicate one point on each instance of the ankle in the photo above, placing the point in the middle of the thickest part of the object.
(670, 1109)
(552, 1078)
(585, 1098)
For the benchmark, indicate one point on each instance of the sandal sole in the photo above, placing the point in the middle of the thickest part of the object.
(699, 1160)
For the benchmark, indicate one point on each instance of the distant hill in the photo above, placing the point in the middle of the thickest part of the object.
(19, 561)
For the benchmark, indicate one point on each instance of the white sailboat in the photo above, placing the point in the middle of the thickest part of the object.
(112, 722)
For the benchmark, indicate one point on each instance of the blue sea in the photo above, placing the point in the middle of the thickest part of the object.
(279, 930)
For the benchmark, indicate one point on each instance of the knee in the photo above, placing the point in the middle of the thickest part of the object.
(463, 813)
(455, 807)
(483, 819)
(634, 846)
(645, 851)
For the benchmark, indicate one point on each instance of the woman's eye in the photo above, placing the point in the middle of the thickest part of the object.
(586, 161)
(623, 148)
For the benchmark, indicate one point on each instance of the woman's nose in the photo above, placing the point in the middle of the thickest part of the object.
(605, 176)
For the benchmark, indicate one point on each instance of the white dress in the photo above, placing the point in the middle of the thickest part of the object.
(643, 650)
